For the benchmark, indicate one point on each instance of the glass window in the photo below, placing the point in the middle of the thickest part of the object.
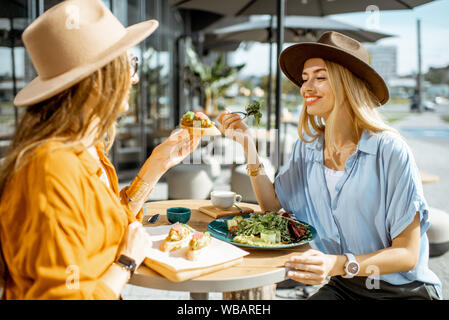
(14, 66)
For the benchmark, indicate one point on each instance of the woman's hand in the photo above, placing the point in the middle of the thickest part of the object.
(233, 127)
(311, 267)
(136, 242)
(134, 245)
(173, 150)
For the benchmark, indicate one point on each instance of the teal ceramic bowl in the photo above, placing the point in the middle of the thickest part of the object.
(178, 214)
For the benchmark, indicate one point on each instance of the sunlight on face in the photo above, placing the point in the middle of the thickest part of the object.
(316, 90)
(134, 80)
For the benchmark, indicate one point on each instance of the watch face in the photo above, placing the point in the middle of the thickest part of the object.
(127, 262)
(353, 268)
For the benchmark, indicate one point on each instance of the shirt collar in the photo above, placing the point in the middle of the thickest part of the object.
(367, 143)
(316, 144)
(92, 166)
(317, 147)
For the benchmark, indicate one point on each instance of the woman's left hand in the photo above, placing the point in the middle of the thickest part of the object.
(310, 267)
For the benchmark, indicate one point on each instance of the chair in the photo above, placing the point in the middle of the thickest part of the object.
(241, 183)
(438, 232)
(193, 181)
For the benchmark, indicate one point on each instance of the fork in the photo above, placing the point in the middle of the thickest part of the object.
(240, 209)
(153, 219)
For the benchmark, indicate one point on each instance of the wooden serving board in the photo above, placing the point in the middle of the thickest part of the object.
(183, 275)
(219, 213)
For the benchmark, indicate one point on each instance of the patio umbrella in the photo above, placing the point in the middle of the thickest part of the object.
(199, 19)
(214, 43)
(296, 29)
(280, 8)
(295, 7)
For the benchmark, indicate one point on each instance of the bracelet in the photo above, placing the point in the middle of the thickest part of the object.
(254, 172)
(138, 190)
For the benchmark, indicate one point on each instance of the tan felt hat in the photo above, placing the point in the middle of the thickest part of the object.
(335, 47)
(72, 40)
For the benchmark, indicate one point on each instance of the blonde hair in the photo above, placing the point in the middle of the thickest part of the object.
(360, 104)
(68, 117)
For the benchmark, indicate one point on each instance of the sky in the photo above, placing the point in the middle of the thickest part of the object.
(434, 18)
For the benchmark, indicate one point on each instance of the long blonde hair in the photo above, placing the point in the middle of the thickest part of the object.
(360, 104)
(68, 116)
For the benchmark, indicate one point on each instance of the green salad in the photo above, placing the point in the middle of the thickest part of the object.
(269, 229)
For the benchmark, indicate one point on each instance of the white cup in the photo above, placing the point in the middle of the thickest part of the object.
(224, 199)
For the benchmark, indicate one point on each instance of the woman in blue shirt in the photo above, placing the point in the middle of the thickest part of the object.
(351, 176)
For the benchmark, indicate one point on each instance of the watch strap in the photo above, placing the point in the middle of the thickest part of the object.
(127, 263)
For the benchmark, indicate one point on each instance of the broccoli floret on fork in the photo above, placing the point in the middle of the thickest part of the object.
(253, 109)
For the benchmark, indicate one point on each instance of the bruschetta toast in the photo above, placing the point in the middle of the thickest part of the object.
(178, 237)
(198, 244)
(200, 122)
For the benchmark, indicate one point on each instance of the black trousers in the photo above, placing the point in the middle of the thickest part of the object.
(339, 288)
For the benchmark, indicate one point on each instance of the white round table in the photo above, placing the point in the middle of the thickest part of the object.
(259, 268)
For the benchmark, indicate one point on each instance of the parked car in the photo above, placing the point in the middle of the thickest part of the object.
(441, 100)
(428, 105)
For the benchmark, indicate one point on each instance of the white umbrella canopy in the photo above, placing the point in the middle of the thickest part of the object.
(296, 29)
(294, 7)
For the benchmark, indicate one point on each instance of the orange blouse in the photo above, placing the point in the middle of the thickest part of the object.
(61, 226)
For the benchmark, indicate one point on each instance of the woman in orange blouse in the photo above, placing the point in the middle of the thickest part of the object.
(66, 231)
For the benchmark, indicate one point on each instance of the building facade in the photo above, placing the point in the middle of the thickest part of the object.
(383, 59)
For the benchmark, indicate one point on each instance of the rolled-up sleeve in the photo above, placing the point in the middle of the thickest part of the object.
(406, 196)
(125, 202)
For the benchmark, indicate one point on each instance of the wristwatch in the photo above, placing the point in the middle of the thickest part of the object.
(352, 267)
(127, 264)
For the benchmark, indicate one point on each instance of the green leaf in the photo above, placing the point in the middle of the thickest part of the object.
(253, 109)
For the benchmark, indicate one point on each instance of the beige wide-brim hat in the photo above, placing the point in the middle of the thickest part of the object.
(70, 41)
(338, 48)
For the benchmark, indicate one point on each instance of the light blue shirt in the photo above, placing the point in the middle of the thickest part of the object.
(375, 200)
